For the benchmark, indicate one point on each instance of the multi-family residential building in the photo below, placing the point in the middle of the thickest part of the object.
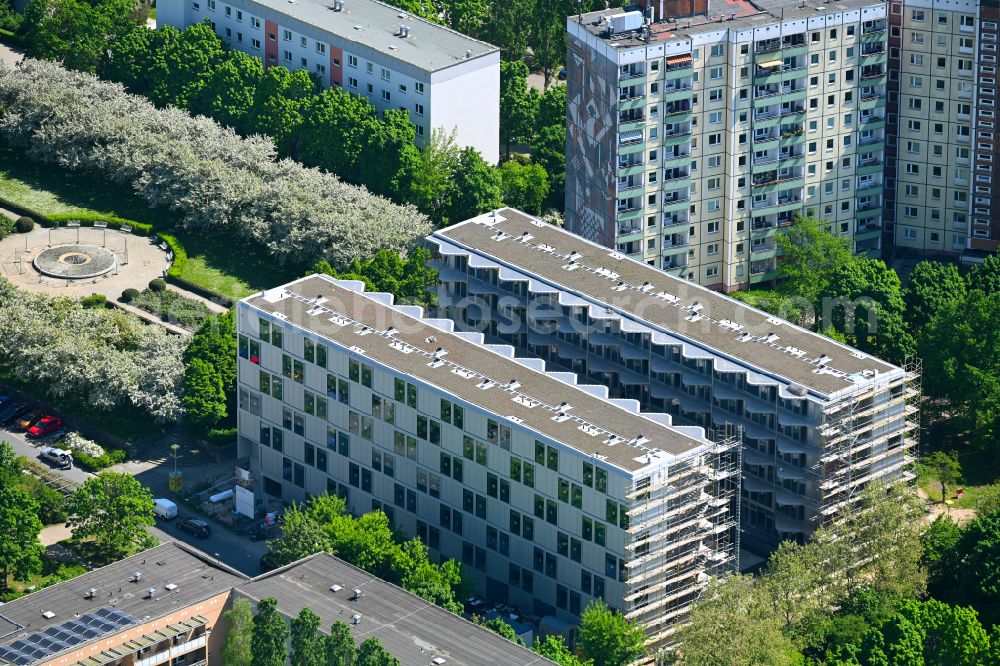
(394, 59)
(819, 420)
(550, 492)
(164, 606)
(942, 101)
(697, 130)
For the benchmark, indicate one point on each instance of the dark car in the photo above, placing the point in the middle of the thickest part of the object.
(196, 527)
(25, 421)
(10, 411)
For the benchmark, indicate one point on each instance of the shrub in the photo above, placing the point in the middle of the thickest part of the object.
(94, 301)
(77, 443)
(51, 502)
(3, 233)
(173, 308)
(129, 295)
(221, 436)
(24, 224)
(157, 284)
(97, 463)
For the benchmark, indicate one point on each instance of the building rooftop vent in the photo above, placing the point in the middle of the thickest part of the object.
(336, 588)
(170, 587)
(137, 576)
(91, 593)
(338, 5)
(356, 618)
(151, 593)
(356, 593)
(48, 615)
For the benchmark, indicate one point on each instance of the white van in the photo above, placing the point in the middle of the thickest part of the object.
(58, 457)
(164, 508)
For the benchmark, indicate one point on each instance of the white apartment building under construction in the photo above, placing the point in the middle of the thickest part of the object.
(548, 490)
(818, 420)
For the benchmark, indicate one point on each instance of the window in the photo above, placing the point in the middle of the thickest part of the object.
(352, 61)
(320, 47)
(712, 248)
(715, 73)
(419, 87)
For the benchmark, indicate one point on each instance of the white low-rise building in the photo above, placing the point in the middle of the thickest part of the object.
(444, 79)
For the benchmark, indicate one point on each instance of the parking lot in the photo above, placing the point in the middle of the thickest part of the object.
(235, 550)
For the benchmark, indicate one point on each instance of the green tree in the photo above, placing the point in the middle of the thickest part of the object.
(20, 552)
(337, 129)
(864, 300)
(555, 649)
(778, 303)
(129, 59)
(607, 638)
(729, 625)
(339, 648)
(945, 468)
(371, 653)
(75, 32)
(209, 395)
(552, 108)
(204, 397)
(549, 152)
(467, 16)
(518, 103)
(986, 276)
(432, 182)
(809, 256)
(498, 626)
(228, 93)
(793, 584)
(929, 287)
(525, 186)
(301, 535)
(425, 9)
(547, 37)
(112, 508)
(269, 635)
(307, 644)
(940, 541)
(237, 650)
(476, 187)
(977, 567)
(183, 63)
(507, 27)
(390, 160)
(10, 464)
(279, 102)
(988, 500)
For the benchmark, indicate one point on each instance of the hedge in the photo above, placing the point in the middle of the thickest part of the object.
(86, 219)
(114, 222)
(174, 273)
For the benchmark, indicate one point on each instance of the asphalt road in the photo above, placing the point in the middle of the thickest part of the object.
(233, 549)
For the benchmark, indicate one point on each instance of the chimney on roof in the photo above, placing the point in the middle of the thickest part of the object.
(338, 5)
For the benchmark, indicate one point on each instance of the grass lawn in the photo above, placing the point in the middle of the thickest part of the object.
(980, 466)
(226, 263)
(51, 190)
(216, 260)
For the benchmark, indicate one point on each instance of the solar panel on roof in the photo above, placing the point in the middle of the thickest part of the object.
(52, 640)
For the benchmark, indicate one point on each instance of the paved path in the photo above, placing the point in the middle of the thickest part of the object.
(145, 261)
(10, 55)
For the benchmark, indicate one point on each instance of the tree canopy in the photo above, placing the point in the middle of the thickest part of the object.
(607, 638)
(20, 551)
(112, 508)
(237, 650)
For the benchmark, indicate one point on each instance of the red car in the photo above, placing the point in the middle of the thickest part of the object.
(45, 426)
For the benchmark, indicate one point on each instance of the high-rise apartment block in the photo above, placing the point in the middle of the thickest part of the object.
(551, 492)
(697, 132)
(819, 420)
(942, 100)
(369, 48)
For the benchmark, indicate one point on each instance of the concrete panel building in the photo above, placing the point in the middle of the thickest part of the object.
(943, 102)
(819, 420)
(697, 131)
(395, 60)
(550, 492)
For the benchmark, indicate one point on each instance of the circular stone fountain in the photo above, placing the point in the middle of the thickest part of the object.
(74, 262)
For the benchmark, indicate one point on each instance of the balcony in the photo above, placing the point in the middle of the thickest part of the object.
(625, 231)
(676, 109)
(632, 77)
(874, 27)
(678, 63)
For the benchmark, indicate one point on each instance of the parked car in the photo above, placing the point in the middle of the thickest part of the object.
(196, 527)
(45, 426)
(11, 410)
(26, 420)
(58, 457)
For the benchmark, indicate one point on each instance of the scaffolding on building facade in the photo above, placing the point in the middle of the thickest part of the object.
(683, 531)
(872, 434)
